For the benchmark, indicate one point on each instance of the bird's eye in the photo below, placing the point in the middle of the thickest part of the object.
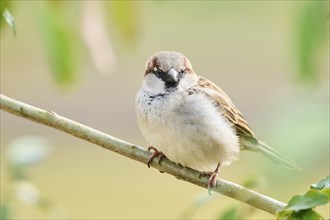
(183, 70)
(158, 72)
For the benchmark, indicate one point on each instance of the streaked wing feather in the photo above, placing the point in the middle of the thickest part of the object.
(225, 106)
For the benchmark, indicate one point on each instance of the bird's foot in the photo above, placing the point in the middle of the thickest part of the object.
(156, 153)
(212, 182)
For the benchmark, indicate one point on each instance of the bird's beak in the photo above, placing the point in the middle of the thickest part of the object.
(172, 76)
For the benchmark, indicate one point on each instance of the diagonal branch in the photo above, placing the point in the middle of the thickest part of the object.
(137, 153)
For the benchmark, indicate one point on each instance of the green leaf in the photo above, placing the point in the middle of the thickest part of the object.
(4, 211)
(252, 182)
(301, 206)
(7, 16)
(61, 41)
(308, 214)
(4, 4)
(231, 213)
(326, 192)
(309, 200)
(28, 150)
(324, 183)
(284, 214)
(125, 16)
(310, 31)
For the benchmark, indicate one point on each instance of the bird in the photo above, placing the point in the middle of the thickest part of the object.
(192, 121)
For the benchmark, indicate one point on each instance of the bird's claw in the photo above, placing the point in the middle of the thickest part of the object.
(156, 153)
(212, 181)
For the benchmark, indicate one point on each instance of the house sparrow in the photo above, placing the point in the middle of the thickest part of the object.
(191, 120)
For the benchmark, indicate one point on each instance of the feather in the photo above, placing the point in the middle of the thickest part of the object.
(248, 141)
(225, 106)
(252, 144)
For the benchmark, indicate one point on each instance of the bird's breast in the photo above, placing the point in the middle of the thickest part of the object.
(187, 128)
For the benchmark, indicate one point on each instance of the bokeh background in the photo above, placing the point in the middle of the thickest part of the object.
(85, 60)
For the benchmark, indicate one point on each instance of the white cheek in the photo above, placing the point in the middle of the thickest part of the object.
(188, 81)
(153, 84)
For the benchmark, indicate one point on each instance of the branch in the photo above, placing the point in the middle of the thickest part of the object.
(137, 153)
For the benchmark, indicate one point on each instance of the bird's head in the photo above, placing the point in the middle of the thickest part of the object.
(168, 71)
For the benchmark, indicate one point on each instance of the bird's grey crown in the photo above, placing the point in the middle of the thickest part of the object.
(165, 60)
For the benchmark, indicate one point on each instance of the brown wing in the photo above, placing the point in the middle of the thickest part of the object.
(225, 105)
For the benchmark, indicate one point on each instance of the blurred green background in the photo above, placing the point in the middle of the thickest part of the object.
(85, 60)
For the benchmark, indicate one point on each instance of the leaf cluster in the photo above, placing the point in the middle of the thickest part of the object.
(302, 206)
(64, 32)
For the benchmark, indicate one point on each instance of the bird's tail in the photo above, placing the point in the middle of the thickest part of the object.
(253, 144)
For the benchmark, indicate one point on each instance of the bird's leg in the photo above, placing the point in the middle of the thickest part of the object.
(212, 182)
(156, 153)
